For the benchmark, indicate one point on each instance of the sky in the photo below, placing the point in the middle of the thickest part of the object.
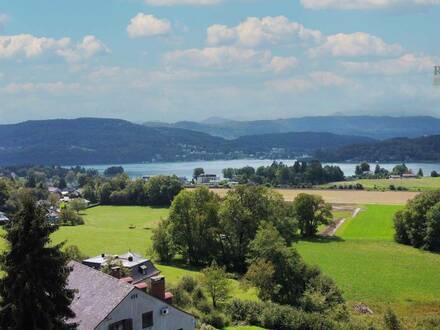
(173, 60)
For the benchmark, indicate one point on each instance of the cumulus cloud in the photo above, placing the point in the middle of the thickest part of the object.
(51, 87)
(365, 4)
(255, 32)
(355, 44)
(29, 46)
(224, 58)
(405, 64)
(312, 81)
(182, 2)
(143, 25)
(280, 64)
(89, 47)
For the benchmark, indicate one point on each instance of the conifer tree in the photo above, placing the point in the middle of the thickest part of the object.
(33, 292)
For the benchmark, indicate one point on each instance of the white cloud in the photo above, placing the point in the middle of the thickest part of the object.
(407, 63)
(3, 20)
(182, 2)
(89, 47)
(365, 4)
(29, 46)
(225, 58)
(143, 25)
(51, 87)
(355, 44)
(254, 32)
(280, 64)
(312, 81)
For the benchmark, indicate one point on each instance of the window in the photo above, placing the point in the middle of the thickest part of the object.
(147, 320)
(122, 325)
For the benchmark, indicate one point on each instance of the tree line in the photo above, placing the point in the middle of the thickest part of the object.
(301, 173)
(418, 224)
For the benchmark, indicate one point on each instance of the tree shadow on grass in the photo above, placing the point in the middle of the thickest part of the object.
(319, 239)
(180, 263)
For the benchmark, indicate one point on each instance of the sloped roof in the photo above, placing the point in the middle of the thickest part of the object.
(97, 294)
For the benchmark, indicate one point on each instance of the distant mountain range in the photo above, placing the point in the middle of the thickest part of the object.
(107, 141)
(392, 150)
(377, 127)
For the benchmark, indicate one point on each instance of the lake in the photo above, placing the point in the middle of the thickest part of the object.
(185, 169)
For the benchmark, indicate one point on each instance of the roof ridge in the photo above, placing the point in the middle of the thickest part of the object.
(103, 274)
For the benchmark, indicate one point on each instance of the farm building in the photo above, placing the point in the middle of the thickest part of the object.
(140, 268)
(103, 302)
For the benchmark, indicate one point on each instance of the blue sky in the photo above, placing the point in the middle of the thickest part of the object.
(173, 60)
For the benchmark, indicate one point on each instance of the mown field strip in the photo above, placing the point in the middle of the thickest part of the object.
(346, 196)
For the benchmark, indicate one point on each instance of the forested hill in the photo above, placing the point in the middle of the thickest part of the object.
(393, 150)
(109, 141)
(378, 127)
(295, 141)
(94, 141)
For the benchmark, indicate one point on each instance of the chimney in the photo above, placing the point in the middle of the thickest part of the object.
(157, 287)
(116, 272)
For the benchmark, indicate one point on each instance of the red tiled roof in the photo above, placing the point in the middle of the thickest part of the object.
(127, 279)
(141, 285)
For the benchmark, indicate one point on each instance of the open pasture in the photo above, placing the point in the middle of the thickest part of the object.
(371, 268)
(346, 196)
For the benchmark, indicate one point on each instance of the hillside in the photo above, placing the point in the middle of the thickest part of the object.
(296, 141)
(392, 150)
(106, 141)
(378, 127)
(92, 141)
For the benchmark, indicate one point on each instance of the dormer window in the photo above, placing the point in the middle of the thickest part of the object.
(143, 269)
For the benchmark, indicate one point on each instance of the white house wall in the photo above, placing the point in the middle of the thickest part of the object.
(137, 303)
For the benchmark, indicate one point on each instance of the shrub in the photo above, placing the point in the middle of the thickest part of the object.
(216, 319)
(188, 283)
(181, 298)
(391, 321)
(245, 311)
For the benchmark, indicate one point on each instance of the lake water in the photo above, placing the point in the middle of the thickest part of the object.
(185, 169)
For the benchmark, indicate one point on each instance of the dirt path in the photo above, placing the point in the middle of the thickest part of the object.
(333, 227)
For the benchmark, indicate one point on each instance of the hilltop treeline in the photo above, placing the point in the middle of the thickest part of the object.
(393, 150)
(279, 174)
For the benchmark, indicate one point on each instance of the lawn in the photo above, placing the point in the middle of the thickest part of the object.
(117, 229)
(113, 229)
(422, 184)
(370, 267)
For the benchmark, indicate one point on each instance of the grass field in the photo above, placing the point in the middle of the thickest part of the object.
(363, 259)
(370, 267)
(422, 184)
(117, 229)
(346, 196)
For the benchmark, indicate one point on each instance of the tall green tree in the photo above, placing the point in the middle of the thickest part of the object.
(33, 291)
(311, 211)
(242, 212)
(197, 172)
(284, 277)
(216, 283)
(193, 224)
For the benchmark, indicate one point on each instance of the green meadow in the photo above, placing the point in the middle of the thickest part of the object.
(363, 259)
(371, 268)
